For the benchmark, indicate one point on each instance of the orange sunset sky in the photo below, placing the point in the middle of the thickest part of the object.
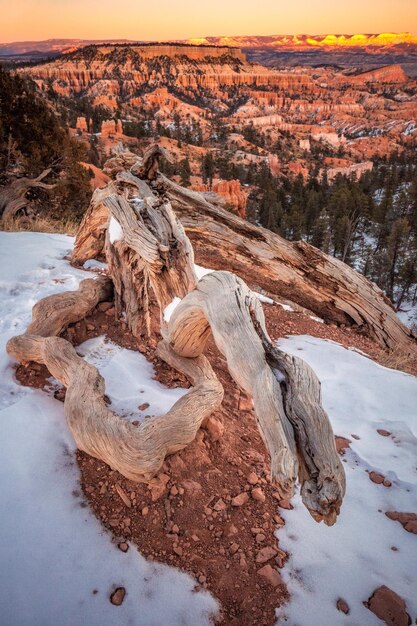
(180, 19)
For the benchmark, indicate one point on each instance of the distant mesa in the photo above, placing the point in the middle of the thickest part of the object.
(278, 42)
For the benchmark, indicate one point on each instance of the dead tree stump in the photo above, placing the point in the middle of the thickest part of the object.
(132, 222)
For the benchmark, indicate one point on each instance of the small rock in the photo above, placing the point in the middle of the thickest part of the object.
(342, 606)
(230, 530)
(123, 495)
(383, 433)
(407, 520)
(178, 550)
(341, 444)
(271, 575)
(118, 596)
(278, 520)
(202, 579)
(376, 478)
(234, 548)
(173, 491)
(220, 505)
(145, 510)
(111, 311)
(265, 554)
(260, 538)
(285, 504)
(104, 306)
(123, 546)
(214, 427)
(240, 500)
(157, 486)
(175, 529)
(258, 494)
(143, 406)
(389, 607)
(245, 403)
(90, 327)
(253, 478)
(281, 557)
(191, 486)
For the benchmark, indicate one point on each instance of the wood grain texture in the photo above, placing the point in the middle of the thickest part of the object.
(293, 270)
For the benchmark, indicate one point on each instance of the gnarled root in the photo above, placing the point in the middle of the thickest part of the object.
(137, 452)
(285, 390)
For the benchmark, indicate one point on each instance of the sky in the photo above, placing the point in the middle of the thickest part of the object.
(23, 20)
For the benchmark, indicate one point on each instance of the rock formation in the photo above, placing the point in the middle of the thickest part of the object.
(235, 196)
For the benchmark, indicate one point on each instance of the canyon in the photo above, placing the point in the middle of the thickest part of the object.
(290, 120)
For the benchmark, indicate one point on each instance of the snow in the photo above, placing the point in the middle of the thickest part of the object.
(202, 271)
(352, 558)
(317, 319)
(59, 565)
(408, 315)
(168, 311)
(115, 230)
(93, 264)
(263, 298)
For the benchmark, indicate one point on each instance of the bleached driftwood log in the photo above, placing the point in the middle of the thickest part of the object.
(285, 390)
(137, 452)
(150, 242)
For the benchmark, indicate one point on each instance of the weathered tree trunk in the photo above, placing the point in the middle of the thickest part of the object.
(146, 246)
(293, 270)
(13, 196)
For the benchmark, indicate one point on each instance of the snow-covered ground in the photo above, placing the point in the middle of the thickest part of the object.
(355, 556)
(57, 565)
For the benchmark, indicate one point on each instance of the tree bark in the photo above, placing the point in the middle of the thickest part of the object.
(296, 271)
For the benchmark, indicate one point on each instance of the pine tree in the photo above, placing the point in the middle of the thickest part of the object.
(185, 172)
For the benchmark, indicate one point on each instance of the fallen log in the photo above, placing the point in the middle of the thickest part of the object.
(145, 243)
(296, 271)
(292, 270)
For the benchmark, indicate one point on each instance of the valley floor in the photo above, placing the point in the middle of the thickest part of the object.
(60, 565)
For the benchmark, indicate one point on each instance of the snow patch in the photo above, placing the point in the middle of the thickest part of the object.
(93, 264)
(168, 311)
(364, 549)
(115, 230)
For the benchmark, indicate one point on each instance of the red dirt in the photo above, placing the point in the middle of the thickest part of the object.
(189, 517)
